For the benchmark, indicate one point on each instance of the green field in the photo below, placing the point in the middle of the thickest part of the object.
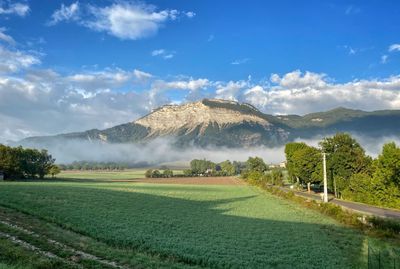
(143, 225)
(106, 175)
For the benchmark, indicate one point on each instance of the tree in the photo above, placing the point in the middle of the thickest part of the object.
(168, 173)
(227, 168)
(187, 173)
(149, 173)
(156, 174)
(24, 163)
(290, 149)
(306, 165)
(256, 164)
(201, 166)
(346, 157)
(387, 165)
(54, 170)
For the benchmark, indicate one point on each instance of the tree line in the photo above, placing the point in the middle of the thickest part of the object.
(254, 169)
(23, 163)
(91, 165)
(352, 174)
(257, 171)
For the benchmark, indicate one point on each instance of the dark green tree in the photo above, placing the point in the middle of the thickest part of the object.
(290, 149)
(156, 174)
(345, 157)
(149, 173)
(167, 173)
(306, 165)
(256, 164)
(54, 170)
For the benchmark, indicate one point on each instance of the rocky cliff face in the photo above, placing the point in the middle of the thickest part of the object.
(172, 119)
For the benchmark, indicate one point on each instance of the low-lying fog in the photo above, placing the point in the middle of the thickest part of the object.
(162, 151)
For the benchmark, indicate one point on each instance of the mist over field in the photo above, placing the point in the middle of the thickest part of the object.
(155, 152)
(163, 150)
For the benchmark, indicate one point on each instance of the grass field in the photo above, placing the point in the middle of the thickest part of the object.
(106, 175)
(147, 225)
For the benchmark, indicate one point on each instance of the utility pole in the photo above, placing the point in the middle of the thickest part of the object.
(325, 179)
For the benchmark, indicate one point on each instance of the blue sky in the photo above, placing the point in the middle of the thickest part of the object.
(345, 39)
(94, 64)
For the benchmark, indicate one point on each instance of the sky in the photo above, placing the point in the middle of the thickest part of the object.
(76, 65)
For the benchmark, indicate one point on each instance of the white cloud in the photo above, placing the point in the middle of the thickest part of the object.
(190, 84)
(157, 52)
(230, 90)
(298, 93)
(6, 38)
(107, 79)
(142, 76)
(45, 102)
(15, 60)
(20, 9)
(65, 13)
(394, 47)
(190, 14)
(166, 55)
(210, 38)
(122, 19)
(128, 21)
(296, 79)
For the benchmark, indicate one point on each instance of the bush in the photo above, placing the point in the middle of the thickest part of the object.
(156, 174)
(168, 173)
(149, 173)
(255, 176)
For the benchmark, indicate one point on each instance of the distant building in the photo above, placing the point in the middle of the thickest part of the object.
(282, 165)
(208, 172)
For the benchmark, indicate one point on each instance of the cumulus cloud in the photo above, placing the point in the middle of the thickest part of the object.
(122, 19)
(301, 93)
(45, 102)
(65, 13)
(230, 90)
(19, 9)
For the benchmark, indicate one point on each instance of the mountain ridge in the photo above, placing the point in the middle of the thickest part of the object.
(227, 123)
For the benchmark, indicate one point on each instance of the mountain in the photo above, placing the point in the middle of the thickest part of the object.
(214, 122)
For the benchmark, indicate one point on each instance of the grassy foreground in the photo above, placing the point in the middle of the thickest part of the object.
(144, 225)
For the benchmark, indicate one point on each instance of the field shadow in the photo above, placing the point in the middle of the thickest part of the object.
(217, 233)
